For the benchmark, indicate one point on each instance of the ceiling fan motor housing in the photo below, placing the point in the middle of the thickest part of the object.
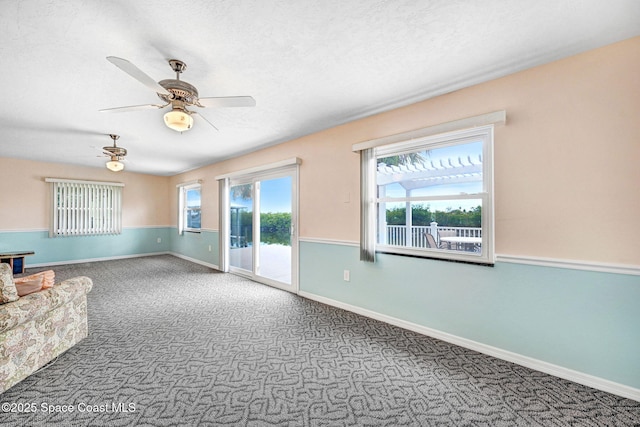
(115, 152)
(180, 91)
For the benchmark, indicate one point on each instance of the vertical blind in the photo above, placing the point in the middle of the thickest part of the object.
(368, 205)
(84, 208)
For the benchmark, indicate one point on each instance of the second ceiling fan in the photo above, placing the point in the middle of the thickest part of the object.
(176, 93)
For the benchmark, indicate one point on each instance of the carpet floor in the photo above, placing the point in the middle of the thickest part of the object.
(172, 343)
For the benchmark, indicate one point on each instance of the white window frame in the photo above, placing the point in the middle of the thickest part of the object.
(437, 133)
(484, 134)
(85, 208)
(184, 209)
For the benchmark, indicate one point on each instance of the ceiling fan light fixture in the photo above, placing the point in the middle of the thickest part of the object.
(115, 165)
(178, 120)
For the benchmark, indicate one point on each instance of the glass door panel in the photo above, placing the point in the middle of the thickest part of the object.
(241, 226)
(274, 233)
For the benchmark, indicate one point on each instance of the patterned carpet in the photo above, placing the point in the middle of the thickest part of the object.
(172, 343)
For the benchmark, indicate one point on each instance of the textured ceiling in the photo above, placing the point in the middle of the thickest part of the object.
(309, 64)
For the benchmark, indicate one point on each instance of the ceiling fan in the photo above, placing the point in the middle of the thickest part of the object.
(176, 93)
(116, 154)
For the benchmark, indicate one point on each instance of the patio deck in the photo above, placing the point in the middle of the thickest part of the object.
(275, 261)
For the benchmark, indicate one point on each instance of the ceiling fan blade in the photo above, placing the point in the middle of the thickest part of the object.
(132, 108)
(137, 74)
(205, 119)
(227, 101)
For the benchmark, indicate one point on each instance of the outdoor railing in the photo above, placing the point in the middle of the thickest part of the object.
(397, 234)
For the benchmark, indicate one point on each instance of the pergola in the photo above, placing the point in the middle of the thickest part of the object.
(413, 175)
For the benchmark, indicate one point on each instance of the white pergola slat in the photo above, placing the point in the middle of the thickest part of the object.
(430, 173)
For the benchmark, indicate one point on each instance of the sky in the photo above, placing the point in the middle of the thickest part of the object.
(193, 197)
(275, 196)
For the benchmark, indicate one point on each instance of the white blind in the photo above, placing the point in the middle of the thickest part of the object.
(85, 208)
(368, 205)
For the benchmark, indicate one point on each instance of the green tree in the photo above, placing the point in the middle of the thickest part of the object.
(403, 159)
(278, 221)
(422, 216)
(275, 228)
(241, 192)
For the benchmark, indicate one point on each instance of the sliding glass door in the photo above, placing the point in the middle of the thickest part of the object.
(262, 227)
(241, 224)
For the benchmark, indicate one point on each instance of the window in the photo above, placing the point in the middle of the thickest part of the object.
(83, 208)
(432, 196)
(190, 203)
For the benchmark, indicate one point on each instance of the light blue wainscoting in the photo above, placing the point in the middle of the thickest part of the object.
(583, 321)
(200, 247)
(57, 250)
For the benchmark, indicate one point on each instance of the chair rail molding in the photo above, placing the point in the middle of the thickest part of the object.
(603, 267)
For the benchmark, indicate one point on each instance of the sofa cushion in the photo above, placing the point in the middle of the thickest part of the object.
(49, 278)
(8, 291)
(39, 303)
(26, 287)
(46, 277)
(35, 282)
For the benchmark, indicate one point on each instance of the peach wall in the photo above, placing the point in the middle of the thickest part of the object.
(566, 163)
(25, 204)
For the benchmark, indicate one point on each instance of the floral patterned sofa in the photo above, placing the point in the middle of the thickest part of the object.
(36, 328)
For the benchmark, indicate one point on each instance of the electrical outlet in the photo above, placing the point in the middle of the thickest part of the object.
(209, 248)
(159, 240)
(346, 276)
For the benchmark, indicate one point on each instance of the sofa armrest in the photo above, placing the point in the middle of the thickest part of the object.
(67, 290)
(38, 303)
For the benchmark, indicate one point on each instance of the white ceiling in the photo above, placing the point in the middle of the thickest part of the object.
(309, 64)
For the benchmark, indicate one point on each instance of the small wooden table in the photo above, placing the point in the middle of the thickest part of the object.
(15, 260)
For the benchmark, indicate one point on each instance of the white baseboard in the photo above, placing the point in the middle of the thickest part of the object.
(81, 261)
(111, 258)
(194, 260)
(538, 365)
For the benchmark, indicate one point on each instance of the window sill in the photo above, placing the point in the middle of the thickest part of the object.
(436, 256)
